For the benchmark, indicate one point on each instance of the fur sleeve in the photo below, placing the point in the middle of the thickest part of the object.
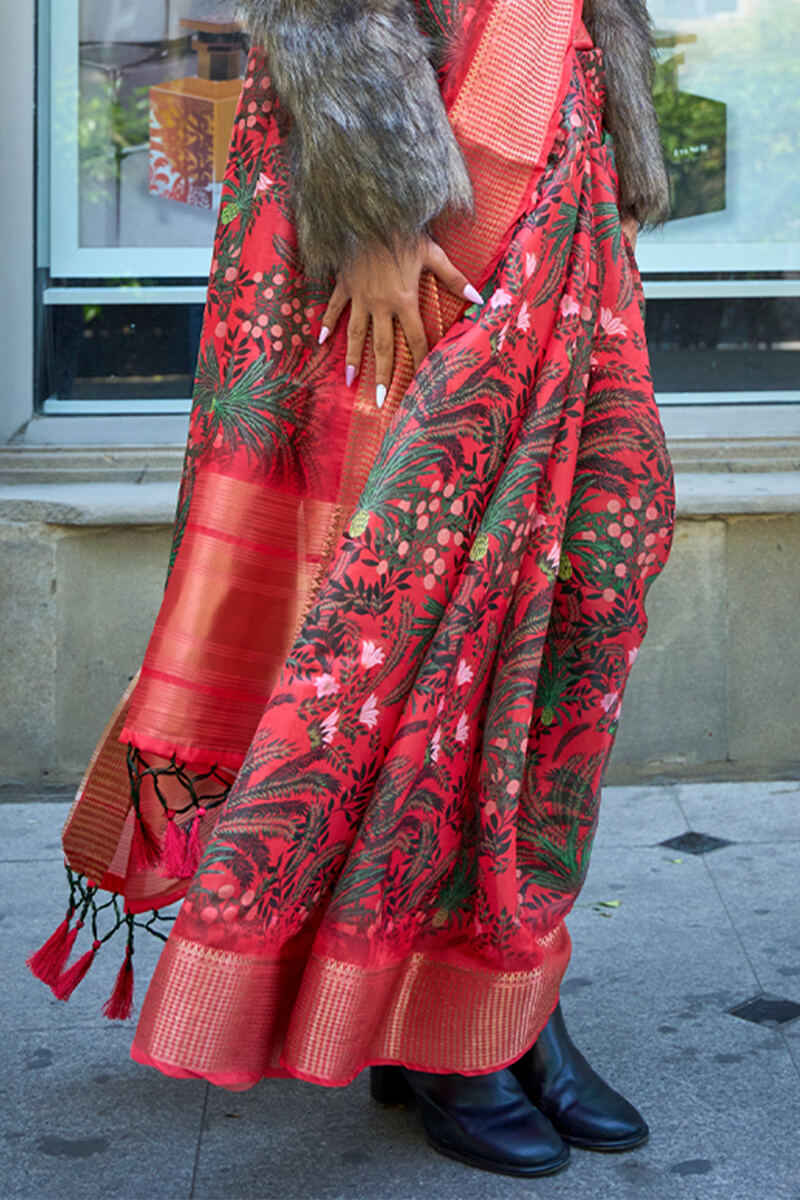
(622, 30)
(371, 152)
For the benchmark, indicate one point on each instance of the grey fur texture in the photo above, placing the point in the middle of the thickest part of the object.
(371, 152)
(622, 30)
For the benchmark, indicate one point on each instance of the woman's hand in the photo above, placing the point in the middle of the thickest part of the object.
(380, 285)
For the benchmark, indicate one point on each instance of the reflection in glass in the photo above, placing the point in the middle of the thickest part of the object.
(140, 93)
(128, 352)
(729, 100)
(725, 345)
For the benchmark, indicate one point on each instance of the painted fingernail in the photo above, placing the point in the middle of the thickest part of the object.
(380, 395)
(324, 334)
(472, 294)
(350, 375)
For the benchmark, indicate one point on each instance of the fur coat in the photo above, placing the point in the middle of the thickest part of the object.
(372, 155)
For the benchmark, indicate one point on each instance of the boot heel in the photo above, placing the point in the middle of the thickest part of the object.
(388, 1087)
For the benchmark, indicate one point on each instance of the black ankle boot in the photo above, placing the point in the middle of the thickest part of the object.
(486, 1121)
(584, 1109)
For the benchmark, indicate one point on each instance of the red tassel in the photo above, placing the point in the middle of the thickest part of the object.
(175, 849)
(194, 847)
(69, 980)
(49, 960)
(145, 850)
(119, 1005)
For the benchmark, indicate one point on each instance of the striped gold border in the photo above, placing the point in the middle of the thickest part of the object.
(234, 1018)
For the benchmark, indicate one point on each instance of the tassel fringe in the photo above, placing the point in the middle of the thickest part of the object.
(48, 962)
(174, 852)
(145, 848)
(104, 913)
(119, 1005)
(69, 979)
(194, 847)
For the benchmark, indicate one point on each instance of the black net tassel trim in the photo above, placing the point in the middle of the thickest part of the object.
(104, 914)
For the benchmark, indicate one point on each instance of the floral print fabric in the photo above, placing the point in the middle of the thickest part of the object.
(425, 778)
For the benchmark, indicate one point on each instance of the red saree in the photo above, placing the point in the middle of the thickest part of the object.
(406, 633)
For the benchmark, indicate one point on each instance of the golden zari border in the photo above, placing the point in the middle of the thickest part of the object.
(233, 1019)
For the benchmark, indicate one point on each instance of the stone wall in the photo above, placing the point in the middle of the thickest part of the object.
(713, 691)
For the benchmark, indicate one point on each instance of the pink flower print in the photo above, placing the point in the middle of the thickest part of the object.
(524, 319)
(371, 655)
(436, 743)
(500, 299)
(369, 712)
(329, 727)
(264, 182)
(462, 729)
(530, 265)
(612, 326)
(554, 556)
(634, 650)
(501, 338)
(464, 674)
(609, 701)
(326, 685)
(569, 306)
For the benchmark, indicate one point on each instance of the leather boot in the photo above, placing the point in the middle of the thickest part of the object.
(585, 1110)
(486, 1121)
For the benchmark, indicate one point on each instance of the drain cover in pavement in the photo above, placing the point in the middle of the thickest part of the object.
(696, 843)
(772, 1011)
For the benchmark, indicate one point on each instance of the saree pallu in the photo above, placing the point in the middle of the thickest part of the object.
(409, 632)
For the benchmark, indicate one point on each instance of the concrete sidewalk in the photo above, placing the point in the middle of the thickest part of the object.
(666, 943)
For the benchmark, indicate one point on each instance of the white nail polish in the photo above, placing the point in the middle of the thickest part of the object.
(324, 334)
(380, 395)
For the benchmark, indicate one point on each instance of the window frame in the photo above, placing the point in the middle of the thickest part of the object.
(695, 415)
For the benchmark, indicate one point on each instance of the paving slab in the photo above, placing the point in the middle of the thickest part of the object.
(81, 1121)
(639, 816)
(758, 884)
(664, 944)
(748, 812)
(32, 832)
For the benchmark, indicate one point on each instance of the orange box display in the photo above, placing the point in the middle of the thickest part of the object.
(190, 127)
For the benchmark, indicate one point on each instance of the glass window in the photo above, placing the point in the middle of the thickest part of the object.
(137, 102)
(728, 95)
(143, 97)
(135, 352)
(725, 346)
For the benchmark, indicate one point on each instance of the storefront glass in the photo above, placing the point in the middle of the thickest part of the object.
(729, 103)
(139, 98)
(142, 103)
